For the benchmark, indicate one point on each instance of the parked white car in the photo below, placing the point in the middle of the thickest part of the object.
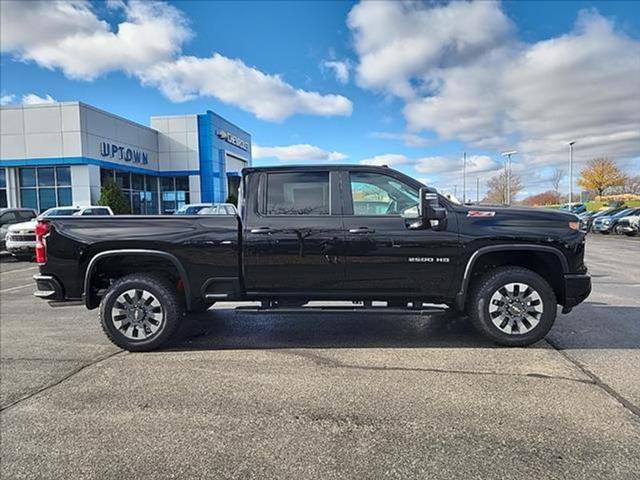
(219, 209)
(629, 225)
(21, 237)
(192, 208)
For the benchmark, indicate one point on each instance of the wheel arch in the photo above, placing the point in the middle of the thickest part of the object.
(545, 260)
(101, 259)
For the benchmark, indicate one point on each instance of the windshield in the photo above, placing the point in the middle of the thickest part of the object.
(622, 213)
(60, 212)
(190, 209)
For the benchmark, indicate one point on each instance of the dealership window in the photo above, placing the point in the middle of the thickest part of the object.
(174, 193)
(148, 194)
(42, 188)
(140, 190)
(3, 188)
(304, 193)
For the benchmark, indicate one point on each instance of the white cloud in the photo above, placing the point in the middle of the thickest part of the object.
(33, 99)
(27, 99)
(398, 41)
(482, 86)
(267, 96)
(298, 152)
(440, 164)
(147, 44)
(340, 69)
(389, 159)
(69, 36)
(408, 138)
(7, 99)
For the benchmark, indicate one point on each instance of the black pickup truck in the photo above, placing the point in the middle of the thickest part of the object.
(354, 233)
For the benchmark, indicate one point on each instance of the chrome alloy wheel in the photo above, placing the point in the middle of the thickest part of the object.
(137, 314)
(516, 308)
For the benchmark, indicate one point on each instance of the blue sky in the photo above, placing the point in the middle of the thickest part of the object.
(425, 81)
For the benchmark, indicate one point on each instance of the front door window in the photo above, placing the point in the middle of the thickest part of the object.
(374, 194)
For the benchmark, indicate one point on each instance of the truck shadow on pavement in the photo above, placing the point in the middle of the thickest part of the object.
(595, 326)
(228, 329)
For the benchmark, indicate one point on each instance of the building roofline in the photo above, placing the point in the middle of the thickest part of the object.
(228, 121)
(79, 104)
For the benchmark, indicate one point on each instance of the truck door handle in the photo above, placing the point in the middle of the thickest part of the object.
(259, 230)
(361, 230)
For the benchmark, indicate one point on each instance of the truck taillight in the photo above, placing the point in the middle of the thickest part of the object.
(42, 228)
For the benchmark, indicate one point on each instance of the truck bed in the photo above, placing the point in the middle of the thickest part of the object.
(206, 246)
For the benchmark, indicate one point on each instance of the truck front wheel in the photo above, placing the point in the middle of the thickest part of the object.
(140, 312)
(512, 306)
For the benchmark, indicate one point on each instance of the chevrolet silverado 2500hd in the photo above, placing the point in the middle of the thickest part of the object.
(355, 233)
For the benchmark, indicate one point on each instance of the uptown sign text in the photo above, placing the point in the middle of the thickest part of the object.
(111, 150)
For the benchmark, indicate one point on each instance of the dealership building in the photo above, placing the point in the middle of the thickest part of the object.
(60, 154)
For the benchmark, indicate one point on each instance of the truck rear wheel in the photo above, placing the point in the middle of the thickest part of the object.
(140, 312)
(512, 306)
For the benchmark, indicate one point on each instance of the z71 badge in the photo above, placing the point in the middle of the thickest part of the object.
(480, 213)
(428, 259)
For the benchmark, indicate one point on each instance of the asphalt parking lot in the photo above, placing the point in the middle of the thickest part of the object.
(243, 395)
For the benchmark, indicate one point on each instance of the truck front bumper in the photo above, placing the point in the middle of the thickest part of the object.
(577, 288)
(18, 246)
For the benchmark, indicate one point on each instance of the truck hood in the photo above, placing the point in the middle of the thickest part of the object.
(521, 213)
(24, 226)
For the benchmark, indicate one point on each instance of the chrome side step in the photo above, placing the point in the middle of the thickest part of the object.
(341, 309)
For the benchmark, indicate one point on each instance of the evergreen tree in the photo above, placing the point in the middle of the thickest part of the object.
(111, 196)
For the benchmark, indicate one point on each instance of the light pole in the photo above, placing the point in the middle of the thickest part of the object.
(571, 171)
(464, 178)
(508, 155)
(477, 190)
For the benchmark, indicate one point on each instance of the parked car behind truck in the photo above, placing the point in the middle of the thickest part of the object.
(608, 223)
(13, 216)
(21, 237)
(299, 237)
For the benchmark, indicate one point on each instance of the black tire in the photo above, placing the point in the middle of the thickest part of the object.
(630, 234)
(489, 285)
(618, 230)
(163, 292)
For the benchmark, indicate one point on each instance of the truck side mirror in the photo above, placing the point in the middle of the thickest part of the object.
(431, 212)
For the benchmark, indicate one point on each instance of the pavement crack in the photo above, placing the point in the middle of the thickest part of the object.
(595, 380)
(332, 363)
(62, 379)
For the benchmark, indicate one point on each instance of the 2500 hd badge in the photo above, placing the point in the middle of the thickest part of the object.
(429, 259)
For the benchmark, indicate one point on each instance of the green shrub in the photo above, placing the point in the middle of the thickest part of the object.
(111, 196)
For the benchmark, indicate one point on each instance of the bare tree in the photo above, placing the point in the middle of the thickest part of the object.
(497, 184)
(556, 178)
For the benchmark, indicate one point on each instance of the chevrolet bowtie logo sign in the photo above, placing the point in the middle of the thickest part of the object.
(232, 139)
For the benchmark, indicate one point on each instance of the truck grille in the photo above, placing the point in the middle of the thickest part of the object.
(22, 238)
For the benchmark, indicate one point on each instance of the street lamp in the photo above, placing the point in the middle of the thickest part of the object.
(571, 171)
(464, 178)
(508, 155)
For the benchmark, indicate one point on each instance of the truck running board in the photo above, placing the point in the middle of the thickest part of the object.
(424, 310)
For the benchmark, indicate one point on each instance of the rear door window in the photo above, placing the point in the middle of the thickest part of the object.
(297, 193)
